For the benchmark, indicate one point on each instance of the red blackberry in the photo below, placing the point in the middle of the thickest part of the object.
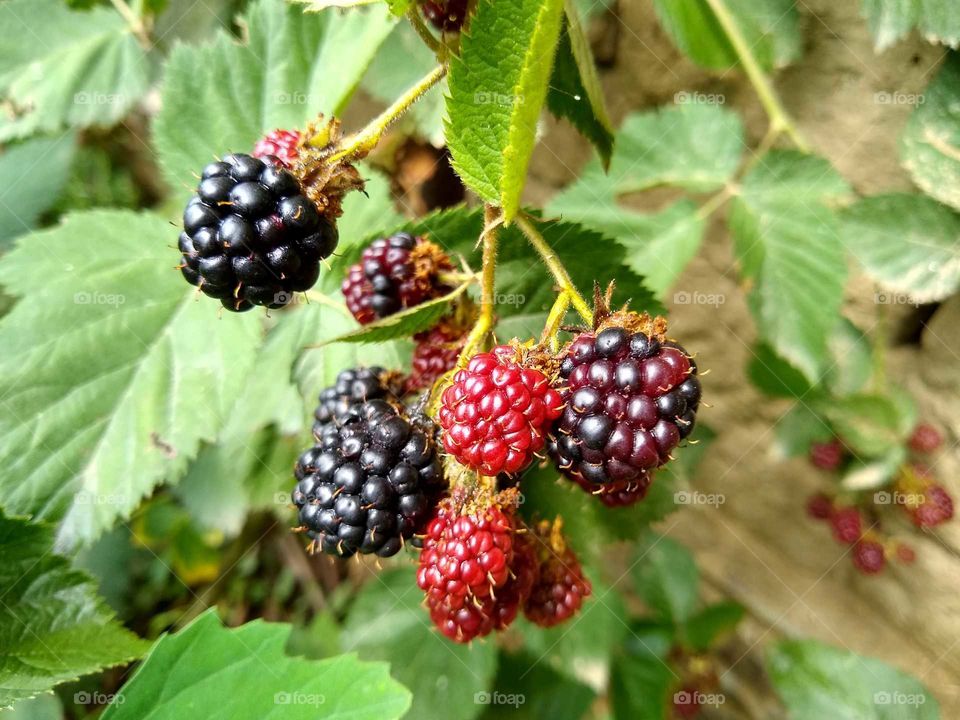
(281, 144)
(925, 438)
(631, 397)
(819, 506)
(446, 15)
(370, 482)
(826, 455)
(905, 553)
(435, 353)
(496, 413)
(352, 387)
(250, 236)
(935, 509)
(560, 587)
(847, 525)
(868, 557)
(394, 273)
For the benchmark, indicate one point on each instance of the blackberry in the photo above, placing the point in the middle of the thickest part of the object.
(446, 15)
(847, 524)
(250, 237)
(353, 387)
(394, 273)
(560, 586)
(868, 557)
(631, 396)
(281, 144)
(435, 353)
(827, 455)
(369, 483)
(925, 438)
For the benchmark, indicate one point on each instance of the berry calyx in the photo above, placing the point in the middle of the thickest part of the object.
(925, 438)
(847, 524)
(827, 455)
(353, 387)
(560, 587)
(250, 236)
(370, 482)
(631, 397)
(496, 413)
(868, 557)
(435, 353)
(394, 273)
(281, 144)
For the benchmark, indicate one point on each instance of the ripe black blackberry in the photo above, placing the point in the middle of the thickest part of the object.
(631, 397)
(353, 387)
(394, 273)
(446, 15)
(250, 236)
(371, 481)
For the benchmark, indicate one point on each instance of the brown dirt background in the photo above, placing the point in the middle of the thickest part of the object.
(759, 547)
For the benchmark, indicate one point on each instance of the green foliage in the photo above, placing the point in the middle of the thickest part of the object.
(869, 424)
(891, 20)
(524, 679)
(667, 579)
(32, 175)
(86, 434)
(930, 147)
(788, 246)
(910, 244)
(818, 681)
(60, 67)
(770, 28)
(206, 670)
(639, 685)
(53, 627)
(222, 97)
(388, 622)
(704, 628)
(575, 92)
(497, 88)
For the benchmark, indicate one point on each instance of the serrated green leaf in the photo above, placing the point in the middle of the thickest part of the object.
(575, 92)
(388, 622)
(910, 244)
(868, 424)
(115, 370)
(639, 685)
(817, 681)
(788, 245)
(60, 67)
(528, 689)
(851, 359)
(224, 96)
(770, 27)
(406, 323)
(930, 146)
(32, 174)
(53, 627)
(209, 671)
(497, 88)
(703, 629)
(666, 577)
(891, 20)
(774, 376)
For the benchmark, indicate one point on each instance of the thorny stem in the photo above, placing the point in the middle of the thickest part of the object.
(554, 318)
(360, 144)
(556, 268)
(413, 15)
(492, 219)
(780, 121)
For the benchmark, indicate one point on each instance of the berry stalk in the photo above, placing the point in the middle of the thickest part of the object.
(492, 220)
(413, 15)
(554, 318)
(556, 268)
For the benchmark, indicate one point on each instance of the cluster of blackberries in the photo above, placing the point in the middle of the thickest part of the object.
(373, 478)
(250, 236)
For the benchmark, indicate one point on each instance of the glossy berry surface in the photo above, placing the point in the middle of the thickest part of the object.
(281, 144)
(435, 353)
(496, 414)
(371, 481)
(352, 387)
(250, 237)
(560, 588)
(868, 557)
(394, 273)
(630, 399)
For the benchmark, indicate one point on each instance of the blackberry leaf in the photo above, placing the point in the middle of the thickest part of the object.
(891, 20)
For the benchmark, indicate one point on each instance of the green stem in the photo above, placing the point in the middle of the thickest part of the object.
(457, 278)
(360, 144)
(413, 15)
(556, 267)
(322, 299)
(715, 202)
(481, 328)
(135, 22)
(554, 318)
(780, 121)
